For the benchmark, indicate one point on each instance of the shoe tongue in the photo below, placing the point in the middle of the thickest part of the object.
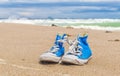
(57, 42)
(64, 35)
(58, 37)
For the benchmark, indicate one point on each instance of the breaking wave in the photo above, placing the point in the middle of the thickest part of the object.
(97, 24)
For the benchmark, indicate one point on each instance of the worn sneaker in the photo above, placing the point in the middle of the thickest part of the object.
(79, 51)
(56, 51)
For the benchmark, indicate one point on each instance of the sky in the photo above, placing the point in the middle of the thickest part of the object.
(78, 9)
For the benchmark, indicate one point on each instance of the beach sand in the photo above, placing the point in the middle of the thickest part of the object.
(21, 46)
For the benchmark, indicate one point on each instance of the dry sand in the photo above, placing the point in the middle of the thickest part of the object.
(21, 45)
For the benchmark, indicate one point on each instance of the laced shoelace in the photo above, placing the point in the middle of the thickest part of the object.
(55, 47)
(74, 48)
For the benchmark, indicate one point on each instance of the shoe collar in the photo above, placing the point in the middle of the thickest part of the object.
(82, 38)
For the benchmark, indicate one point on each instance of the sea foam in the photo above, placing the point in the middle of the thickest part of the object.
(81, 23)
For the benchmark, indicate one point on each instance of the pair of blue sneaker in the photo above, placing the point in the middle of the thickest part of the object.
(79, 51)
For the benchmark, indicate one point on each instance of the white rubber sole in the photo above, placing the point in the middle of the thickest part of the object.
(73, 60)
(50, 58)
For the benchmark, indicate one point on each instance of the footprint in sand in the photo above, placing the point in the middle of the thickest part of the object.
(2, 61)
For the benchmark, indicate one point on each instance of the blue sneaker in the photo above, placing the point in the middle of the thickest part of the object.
(79, 51)
(56, 51)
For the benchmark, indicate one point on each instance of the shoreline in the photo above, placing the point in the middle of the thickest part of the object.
(99, 28)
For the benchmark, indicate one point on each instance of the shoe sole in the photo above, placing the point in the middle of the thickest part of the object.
(68, 60)
(50, 59)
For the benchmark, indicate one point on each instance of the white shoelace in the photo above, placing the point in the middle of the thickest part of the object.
(74, 48)
(56, 47)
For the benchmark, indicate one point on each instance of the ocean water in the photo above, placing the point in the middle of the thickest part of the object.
(96, 24)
